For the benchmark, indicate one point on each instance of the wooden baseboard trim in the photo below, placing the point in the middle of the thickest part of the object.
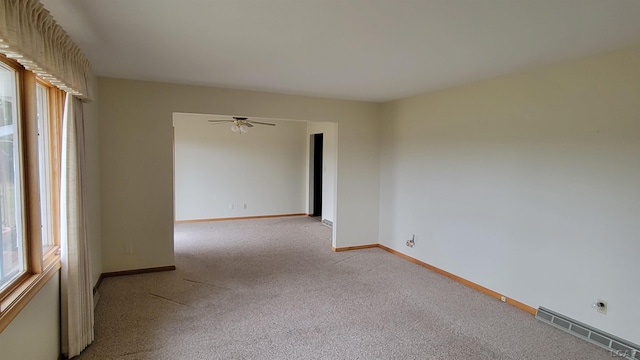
(238, 218)
(521, 306)
(463, 281)
(133, 272)
(359, 247)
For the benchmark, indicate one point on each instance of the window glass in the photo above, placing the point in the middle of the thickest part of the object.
(44, 167)
(12, 261)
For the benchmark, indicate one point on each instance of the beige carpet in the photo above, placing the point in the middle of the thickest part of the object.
(272, 289)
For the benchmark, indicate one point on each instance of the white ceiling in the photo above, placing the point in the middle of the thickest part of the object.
(372, 50)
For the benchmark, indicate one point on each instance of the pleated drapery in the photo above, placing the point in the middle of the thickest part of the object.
(30, 35)
(76, 291)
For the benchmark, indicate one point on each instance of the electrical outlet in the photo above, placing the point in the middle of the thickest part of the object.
(245, 206)
(503, 298)
(600, 306)
(412, 241)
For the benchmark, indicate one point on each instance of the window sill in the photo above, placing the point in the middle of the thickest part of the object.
(13, 303)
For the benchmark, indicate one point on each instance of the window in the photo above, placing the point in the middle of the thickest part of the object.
(44, 168)
(12, 261)
(30, 124)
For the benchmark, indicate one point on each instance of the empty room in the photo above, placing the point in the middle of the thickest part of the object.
(319, 179)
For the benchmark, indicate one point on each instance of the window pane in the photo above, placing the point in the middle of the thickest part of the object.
(44, 165)
(12, 261)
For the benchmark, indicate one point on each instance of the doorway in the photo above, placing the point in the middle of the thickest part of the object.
(316, 169)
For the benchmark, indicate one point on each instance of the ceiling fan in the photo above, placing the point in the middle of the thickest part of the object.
(241, 124)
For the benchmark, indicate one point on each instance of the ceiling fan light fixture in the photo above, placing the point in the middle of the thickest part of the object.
(240, 125)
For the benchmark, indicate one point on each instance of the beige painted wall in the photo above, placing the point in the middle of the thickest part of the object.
(218, 171)
(136, 161)
(35, 333)
(526, 184)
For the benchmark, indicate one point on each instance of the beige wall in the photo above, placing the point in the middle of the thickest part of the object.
(136, 161)
(218, 171)
(35, 333)
(526, 184)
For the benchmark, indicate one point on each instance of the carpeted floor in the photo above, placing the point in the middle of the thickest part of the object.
(273, 289)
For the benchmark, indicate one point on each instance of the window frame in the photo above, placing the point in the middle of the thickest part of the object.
(19, 138)
(39, 266)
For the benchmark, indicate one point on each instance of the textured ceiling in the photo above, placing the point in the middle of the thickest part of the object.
(373, 50)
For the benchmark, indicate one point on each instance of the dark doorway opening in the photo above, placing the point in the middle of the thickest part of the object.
(317, 168)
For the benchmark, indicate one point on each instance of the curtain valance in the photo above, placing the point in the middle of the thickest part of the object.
(30, 35)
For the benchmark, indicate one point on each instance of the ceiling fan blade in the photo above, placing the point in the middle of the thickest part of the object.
(219, 121)
(248, 124)
(262, 123)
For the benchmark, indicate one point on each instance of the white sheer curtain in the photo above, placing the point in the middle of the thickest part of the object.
(76, 291)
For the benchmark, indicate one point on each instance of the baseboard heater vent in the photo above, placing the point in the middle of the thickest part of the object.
(328, 223)
(618, 347)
